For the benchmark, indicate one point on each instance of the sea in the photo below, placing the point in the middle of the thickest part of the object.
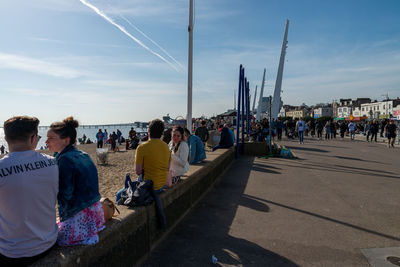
(89, 130)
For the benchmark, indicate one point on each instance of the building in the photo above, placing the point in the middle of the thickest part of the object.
(324, 111)
(380, 109)
(296, 113)
(351, 109)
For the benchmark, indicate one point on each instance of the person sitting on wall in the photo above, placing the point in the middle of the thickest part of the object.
(153, 157)
(226, 140)
(28, 195)
(196, 148)
(179, 154)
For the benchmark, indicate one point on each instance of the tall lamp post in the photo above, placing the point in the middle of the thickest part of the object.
(190, 69)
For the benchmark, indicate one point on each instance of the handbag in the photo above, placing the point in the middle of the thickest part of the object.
(109, 208)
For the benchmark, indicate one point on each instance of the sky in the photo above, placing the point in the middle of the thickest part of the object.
(121, 61)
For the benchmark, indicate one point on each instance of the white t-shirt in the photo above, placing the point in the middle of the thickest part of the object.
(179, 160)
(28, 196)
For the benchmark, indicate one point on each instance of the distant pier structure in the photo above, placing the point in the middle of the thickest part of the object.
(136, 124)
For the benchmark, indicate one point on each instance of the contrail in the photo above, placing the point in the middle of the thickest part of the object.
(154, 42)
(99, 12)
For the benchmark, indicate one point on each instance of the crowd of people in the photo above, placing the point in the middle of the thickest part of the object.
(324, 129)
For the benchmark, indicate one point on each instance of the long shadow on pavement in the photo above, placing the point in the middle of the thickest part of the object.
(206, 230)
(340, 169)
(308, 149)
(326, 218)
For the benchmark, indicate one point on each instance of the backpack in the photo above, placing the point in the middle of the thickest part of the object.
(138, 193)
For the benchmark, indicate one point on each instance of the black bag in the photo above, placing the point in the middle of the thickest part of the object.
(137, 194)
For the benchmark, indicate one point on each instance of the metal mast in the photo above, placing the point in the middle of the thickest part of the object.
(261, 96)
(254, 100)
(277, 102)
(190, 69)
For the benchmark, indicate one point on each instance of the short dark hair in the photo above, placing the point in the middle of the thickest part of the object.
(20, 128)
(203, 122)
(156, 128)
(187, 132)
(66, 128)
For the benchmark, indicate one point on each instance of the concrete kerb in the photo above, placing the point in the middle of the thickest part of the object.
(129, 237)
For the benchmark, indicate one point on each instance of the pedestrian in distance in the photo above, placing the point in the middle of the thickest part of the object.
(327, 130)
(300, 127)
(390, 131)
(352, 130)
(100, 138)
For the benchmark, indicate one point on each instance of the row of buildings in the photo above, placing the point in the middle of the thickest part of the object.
(347, 109)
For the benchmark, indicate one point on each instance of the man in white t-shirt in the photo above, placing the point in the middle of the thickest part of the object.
(28, 195)
(300, 126)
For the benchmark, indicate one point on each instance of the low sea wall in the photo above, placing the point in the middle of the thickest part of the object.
(129, 237)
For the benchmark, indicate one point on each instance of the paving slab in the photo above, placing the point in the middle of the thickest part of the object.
(326, 208)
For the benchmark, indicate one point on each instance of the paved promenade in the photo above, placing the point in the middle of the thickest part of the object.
(322, 209)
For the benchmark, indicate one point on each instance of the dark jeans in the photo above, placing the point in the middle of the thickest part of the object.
(374, 136)
(279, 134)
(319, 134)
(301, 136)
(25, 261)
(99, 144)
(159, 209)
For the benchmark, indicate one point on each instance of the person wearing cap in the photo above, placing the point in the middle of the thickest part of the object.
(28, 195)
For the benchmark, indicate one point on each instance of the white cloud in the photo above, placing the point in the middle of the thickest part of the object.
(21, 63)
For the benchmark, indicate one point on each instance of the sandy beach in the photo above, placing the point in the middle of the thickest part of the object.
(112, 175)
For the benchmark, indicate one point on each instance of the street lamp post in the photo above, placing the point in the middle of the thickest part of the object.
(190, 69)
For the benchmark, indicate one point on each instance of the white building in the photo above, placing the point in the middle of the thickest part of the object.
(322, 112)
(379, 110)
(344, 111)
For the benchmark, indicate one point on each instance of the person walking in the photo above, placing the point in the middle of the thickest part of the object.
(367, 130)
(327, 130)
(300, 127)
(342, 129)
(374, 130)
(320, 128)
(352, 130)
(390, 131)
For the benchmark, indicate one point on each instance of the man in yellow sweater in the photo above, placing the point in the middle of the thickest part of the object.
(153, 157)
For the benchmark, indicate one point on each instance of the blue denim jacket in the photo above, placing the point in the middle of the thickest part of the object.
(196, 149)
(78, 182)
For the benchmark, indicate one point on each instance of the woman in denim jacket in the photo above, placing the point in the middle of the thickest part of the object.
(81, 213)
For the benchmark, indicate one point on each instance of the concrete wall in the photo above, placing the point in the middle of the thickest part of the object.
(129, 237)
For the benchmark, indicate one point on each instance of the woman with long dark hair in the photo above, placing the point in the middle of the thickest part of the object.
(179, 154)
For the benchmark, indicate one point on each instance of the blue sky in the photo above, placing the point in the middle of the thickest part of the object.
(60, 58)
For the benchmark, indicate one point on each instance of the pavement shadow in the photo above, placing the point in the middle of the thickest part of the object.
(308, 149)
(327, 218)
(212, 228)
(341, 169)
